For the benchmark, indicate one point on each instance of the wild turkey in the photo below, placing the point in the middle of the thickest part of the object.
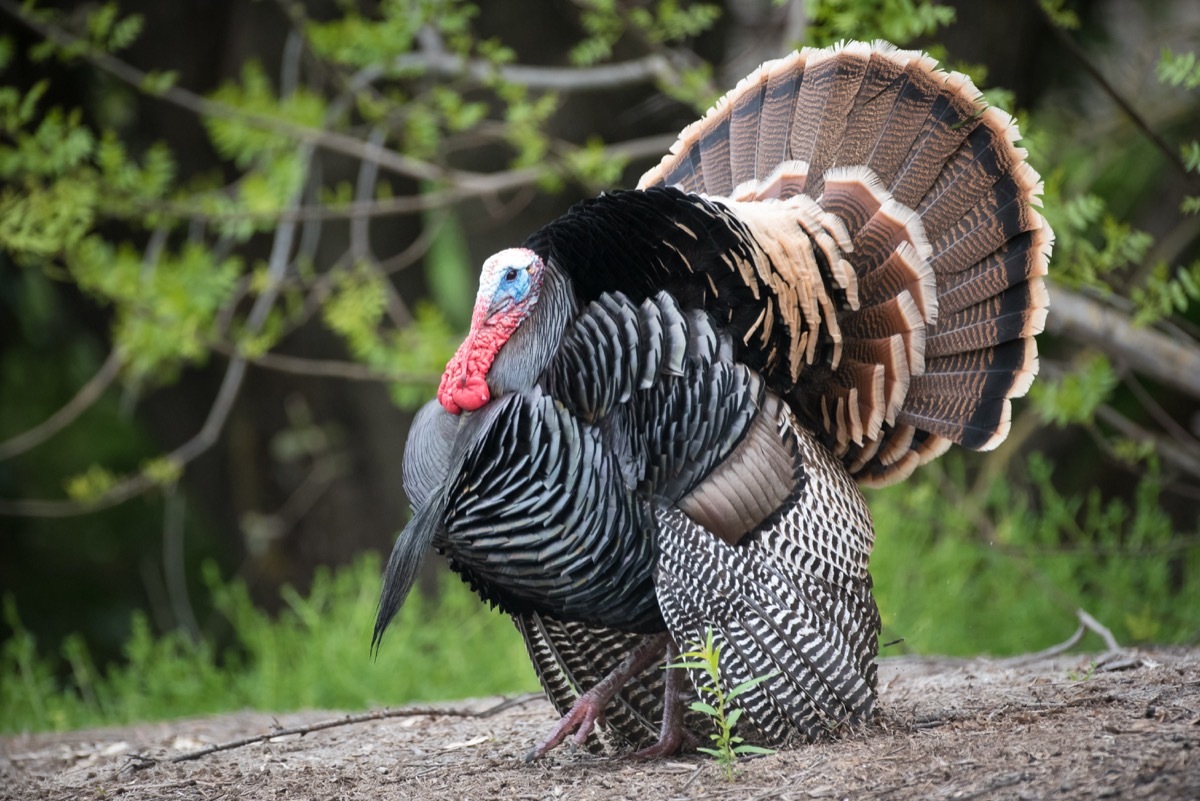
(656, 425)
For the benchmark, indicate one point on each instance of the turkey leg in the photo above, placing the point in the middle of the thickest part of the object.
(671, 736)
(589, 708)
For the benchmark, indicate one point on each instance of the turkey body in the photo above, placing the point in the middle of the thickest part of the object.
(833, 277)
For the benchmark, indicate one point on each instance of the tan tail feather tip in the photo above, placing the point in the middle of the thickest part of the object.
(895, 366)
(1041, 306)
(856, 175)
(868, 382)
(1043, 241)
(910, 222)
(897, 471)
(1023, 378)
(866, 454)
(898, 443)
(784, 183)
(933, 447)
(916, 276)
(852, 189)
(913, 333)
(1002, 429)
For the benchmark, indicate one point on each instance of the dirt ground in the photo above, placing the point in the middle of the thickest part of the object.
(1046, 728)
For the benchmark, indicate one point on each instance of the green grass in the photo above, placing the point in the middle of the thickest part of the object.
(313, 655)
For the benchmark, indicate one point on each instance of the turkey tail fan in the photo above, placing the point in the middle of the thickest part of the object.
(926, 250)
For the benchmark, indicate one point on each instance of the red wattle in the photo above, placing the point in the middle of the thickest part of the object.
(464, 384)
(471, 396)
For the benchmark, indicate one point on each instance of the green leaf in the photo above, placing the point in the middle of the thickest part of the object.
(1179, 69)
(158, 83)
(750, 684)
(754, 749)
(1062, 17)
(689, 665)
(898, 21)
(91, 484)
(707, 709)
(164, 471)
(1190, 151)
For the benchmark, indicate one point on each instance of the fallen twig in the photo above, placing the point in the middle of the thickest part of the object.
(140, 761)
(1094, 625)
(1086, 623)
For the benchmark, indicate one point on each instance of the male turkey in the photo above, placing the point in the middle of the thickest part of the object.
(656, 425)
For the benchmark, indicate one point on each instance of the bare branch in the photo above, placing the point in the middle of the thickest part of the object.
(417, 250)
(88, 394)
(329, 368)
(480, 185)
(1172, 451)
(141, 762)
(1160, 415)
(559, 79)
(1046, 653)
(1094, 625)
(1174, 361)
(1086, 623)
(1077, 52)
(368, 174)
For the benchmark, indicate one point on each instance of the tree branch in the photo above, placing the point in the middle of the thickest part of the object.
(207, 436)
(560, 79)
(470, 183)
(88, 394)
(483, 184)
(1172, 361)
(1077, 52)
(328, 368)
(327, 140)
(1171, 451)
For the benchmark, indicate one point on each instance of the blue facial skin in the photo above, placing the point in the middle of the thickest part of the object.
(512, 289)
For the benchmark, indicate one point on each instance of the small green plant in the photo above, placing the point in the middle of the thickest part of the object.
(727, 745)
(1083, 674)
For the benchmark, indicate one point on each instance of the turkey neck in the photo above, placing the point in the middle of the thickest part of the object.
(528, 351)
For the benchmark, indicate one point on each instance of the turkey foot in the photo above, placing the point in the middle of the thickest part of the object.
(589, 708)
(672, 736)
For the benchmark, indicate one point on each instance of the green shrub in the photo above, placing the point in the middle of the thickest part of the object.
(1003, 573)
(312, 655)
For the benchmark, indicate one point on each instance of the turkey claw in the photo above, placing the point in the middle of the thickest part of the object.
(581, 719)
(668, 745)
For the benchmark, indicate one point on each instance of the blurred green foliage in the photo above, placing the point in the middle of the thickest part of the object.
(896, 21)
(313, 655)
(1001, 569)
